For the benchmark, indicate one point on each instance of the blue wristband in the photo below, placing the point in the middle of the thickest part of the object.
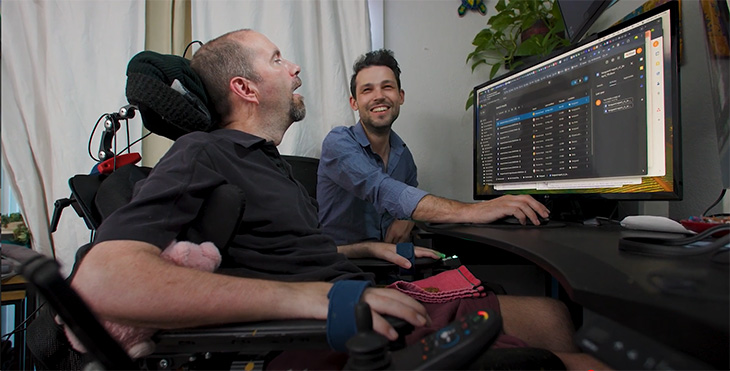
(341, 325)
(405, 249)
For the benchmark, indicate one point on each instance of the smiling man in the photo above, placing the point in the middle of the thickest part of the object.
(367, 179)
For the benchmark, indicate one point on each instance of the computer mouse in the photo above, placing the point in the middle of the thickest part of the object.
(654, 223)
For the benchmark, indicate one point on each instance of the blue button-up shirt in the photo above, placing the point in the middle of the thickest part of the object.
(358, 198)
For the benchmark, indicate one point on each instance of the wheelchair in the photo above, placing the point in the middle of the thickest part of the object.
(172, 111)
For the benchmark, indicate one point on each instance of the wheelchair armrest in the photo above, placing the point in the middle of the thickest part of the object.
(368, 263)
(382, 268)
(256, 337)
(253, 337)
(223, 344)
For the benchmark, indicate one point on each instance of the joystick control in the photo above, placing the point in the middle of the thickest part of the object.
(368, 349)
(453, 346)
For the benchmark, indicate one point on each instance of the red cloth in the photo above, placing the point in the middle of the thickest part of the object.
(444, 287)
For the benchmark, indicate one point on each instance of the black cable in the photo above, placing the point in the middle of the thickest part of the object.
(614, 212)
(137, 141)
(20, 327)
(677, 246)
(114, 162)
(126, 123)
(722, 195)
(721, 256)
(603, 220)
(92, 136)
(189, 45)
(127, 148)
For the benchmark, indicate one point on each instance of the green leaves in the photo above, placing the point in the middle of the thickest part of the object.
(11, 218)
(499, 44)
(470, 101)
(493, 71)
(21, 234)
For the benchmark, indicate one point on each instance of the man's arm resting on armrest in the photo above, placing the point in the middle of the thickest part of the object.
(128, 282)
(384, 251)
(441, 210)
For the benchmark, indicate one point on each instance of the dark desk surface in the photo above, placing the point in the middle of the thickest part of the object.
(681, 302)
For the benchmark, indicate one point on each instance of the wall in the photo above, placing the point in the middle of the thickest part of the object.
(431, 43)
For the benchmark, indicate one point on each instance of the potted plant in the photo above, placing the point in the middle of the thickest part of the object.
(14, 222)
(521, 28)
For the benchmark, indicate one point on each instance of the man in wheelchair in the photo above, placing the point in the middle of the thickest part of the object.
(279, 264)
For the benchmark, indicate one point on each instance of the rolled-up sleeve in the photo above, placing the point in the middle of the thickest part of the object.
(342, 161)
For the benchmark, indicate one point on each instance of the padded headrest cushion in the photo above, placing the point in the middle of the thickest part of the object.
(168, 108)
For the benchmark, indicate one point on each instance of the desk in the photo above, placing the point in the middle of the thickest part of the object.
(14, 292)
(681, 303)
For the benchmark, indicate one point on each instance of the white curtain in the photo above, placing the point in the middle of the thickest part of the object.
(323, 36)
(63, 65)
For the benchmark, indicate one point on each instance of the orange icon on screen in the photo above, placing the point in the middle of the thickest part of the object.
(655, 43)
(639, 50)
(598, 102)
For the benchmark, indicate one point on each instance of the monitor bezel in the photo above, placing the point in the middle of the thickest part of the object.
(677, 187)
(594, 11)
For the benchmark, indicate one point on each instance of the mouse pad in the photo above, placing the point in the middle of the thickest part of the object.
(552, 224)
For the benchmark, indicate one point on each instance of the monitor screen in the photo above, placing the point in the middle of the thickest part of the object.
(579, 15)
(598, 121)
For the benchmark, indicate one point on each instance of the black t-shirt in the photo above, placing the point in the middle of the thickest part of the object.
(280, 236)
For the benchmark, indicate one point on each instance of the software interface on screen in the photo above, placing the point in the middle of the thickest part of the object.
(595, 119)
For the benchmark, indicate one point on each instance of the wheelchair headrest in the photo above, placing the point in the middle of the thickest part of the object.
(168, 93)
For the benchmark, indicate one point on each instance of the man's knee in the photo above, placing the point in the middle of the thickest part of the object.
(549, 313)
(555, 308)
(545, 304)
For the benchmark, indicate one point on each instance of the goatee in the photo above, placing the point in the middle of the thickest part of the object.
(297, 111)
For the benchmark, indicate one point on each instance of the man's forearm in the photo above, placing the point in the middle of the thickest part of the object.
(127, 282)
(131, 284)
(439, 210)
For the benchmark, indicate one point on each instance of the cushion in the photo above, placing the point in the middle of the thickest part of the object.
(170, 96)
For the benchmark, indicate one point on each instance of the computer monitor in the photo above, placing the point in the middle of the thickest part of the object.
(598, 121)
(579, 16)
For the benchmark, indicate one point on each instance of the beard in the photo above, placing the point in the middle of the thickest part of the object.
(380, 128)
(297, 110)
